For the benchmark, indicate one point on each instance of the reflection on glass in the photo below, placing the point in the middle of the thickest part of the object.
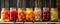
(28, 23)
(39, 23)
(51, 23)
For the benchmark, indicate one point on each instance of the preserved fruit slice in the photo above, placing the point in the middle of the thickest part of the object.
(38, 14)
(22, 14)
(5, 14)
(46, 14)
(54, 14)
(30, 14)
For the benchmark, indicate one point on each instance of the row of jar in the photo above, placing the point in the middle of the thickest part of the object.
(29, 15)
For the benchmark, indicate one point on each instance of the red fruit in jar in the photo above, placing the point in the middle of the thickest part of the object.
(46, 14)
(14, 15)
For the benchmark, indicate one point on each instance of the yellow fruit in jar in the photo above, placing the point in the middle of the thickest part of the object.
(30, 14)
(54, 14)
